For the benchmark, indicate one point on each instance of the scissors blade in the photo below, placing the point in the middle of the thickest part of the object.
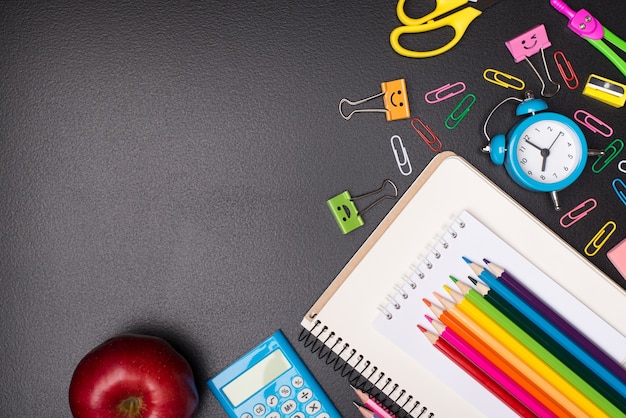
(483, 4)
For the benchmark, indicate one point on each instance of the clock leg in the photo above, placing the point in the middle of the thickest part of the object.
(555, 200)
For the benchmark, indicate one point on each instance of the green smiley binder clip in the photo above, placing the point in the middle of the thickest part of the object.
(344, 209)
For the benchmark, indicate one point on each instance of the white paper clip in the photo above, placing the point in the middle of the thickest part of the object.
(396, 144)
(594, 124)
(444, 92)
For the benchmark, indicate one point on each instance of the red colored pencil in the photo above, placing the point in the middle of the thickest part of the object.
(478, 374)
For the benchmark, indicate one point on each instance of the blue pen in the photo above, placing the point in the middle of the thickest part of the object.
(493, 282)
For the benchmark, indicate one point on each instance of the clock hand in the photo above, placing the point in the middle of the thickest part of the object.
(557, 137)
(546, 151)
(539, 148)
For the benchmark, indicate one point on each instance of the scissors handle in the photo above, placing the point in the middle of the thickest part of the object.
(443, 7)
(459, 21)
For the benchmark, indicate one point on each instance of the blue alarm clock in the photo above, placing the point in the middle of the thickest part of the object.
(544, 152)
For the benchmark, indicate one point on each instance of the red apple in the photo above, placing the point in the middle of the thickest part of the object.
(133, 376)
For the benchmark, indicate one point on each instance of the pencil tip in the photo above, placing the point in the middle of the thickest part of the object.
(473, 280)
(486, 261)
(454, 279)
(467, 260)
(421, 328)
(427, 302)
(446, 288)
(429, 319)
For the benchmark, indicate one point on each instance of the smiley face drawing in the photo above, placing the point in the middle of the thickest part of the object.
(345, 212)
(528, 43)
(395, 99)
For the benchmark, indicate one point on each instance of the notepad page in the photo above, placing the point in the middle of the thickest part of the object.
(448, 186)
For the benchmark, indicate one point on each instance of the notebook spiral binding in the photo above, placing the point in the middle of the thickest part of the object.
(419, 271)
(361, 374)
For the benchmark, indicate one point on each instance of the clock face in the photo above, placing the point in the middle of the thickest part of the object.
(549, 151)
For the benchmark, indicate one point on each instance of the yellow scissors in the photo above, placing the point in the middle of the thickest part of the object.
(459, 21)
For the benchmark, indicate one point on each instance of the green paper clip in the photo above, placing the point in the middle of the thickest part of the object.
(460, 111)
(344, 209)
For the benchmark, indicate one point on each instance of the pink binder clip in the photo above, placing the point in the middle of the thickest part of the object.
(444, 92)
(569, 76)
(579, 212)
(594, 124)
(432, 140)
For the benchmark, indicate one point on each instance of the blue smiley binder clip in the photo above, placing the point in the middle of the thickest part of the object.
(344, 209)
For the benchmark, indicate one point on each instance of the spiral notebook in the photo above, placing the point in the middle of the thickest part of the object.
(349, 325)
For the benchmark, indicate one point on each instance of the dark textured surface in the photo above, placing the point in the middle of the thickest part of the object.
(164, 168)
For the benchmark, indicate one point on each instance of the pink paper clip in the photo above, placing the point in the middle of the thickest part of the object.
(444, 92)
(432, 140)
(579, 212)
(570, 78)
(594, 124)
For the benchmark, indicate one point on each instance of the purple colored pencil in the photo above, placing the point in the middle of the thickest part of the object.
(556, 319)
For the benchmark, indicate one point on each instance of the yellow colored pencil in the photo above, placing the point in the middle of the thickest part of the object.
(512, 358)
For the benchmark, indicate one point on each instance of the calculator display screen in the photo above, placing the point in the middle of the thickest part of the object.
(256, 377)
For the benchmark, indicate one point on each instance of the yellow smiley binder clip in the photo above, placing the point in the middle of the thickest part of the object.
(395, 101)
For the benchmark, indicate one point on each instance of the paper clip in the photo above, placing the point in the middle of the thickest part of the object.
(569, 76)
(344, 209)
(432, 140)
(620, 168)
(444, 92)
(460, 111)
(503, 79)
(598, 240)
(528, 44)
(579, 212)
(597, 126)
(405, 158)
(609, 154)
(395, 100)
(620, 188)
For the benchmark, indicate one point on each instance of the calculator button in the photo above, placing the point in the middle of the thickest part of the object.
(313, 408)
(305, 395)
(289, 406)
(298, 415)
(324, 415)
(259, 409)
(297, 382)
(273, 415)
(284, 391)
(246, 415)
(272, 401)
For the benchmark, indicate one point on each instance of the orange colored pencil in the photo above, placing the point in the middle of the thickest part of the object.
(504, 363)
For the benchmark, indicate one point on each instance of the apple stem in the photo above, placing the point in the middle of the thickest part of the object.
(131, 407)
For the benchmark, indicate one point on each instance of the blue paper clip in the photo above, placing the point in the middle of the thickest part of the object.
(620, 188)
(599, 239)
(594, 124)
(405, 158)
(444, 92)
(462, 109)
(609, 154)
(579, 212)
(432, 140)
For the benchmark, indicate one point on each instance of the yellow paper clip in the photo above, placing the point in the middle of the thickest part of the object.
(610, 153)
(395, 100)
(444, 92)
(460, 111)
(569, 76)
(605, 90)
(579, 212)
(431, 139)
(396, 144)
(594, 124)
(599, 239)
(503, 79)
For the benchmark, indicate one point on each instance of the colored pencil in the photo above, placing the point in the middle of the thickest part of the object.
(514, 358)
(534, 407)
(366, 412)
(602, 372)
(373, 405)
(478, 374)
(546, 341)
(511, 365)
(540, 306)
(561, 376)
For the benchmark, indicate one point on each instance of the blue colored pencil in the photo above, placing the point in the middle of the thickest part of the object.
(601, 371)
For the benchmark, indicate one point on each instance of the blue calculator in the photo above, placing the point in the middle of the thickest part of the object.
(271, 381)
